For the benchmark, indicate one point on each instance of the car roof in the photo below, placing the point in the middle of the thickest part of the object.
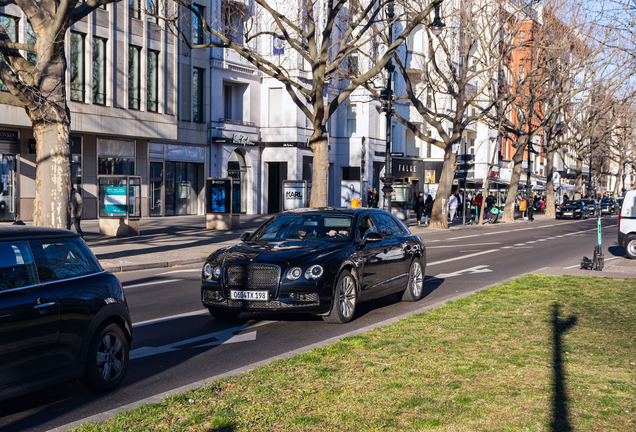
(22, 232)
(335, 210)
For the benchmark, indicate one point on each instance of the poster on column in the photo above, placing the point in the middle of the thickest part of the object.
(350, 190)
(115, 200)
(294, 194)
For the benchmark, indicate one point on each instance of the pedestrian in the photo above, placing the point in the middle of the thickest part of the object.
(460, 203)
(490, 201)
(478, 201)
(376, 198)
(530, 207)
(369, 197)
(77, 206)
(428, 208)
(566, 198)
(452, 207)
(418, 206)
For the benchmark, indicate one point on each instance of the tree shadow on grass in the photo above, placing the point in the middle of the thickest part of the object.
(560, 421)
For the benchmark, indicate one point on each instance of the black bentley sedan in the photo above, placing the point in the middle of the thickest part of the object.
(320, 261)
(572, 209)
(61, 316)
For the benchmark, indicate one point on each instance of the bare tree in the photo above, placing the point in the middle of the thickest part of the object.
(325, 38)
(40, 87)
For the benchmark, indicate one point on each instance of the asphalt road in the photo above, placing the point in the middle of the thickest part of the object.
(177, 343)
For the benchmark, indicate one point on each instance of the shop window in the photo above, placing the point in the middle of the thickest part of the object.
(116, 157)
(10, 25)
(152, 79)
(134, 81)
(197, 94)
(351, 121)
(77, 67)
(99, 71)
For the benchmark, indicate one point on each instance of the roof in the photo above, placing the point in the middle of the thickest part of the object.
(22, 232)
(346, 210)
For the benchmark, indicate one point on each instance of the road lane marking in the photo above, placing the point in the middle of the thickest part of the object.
(170, 318)
(152, 283)
(471, 270)
(461, 257)
(244, 337)
(462, 245)
(197, 270)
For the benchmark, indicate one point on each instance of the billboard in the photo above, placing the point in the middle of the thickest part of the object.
(294, 194)
(218, 195)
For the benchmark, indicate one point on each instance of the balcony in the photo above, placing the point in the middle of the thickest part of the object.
(237, 122)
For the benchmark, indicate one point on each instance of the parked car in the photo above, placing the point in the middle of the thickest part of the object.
(609, 206)
(572, 209)
(538, 205)
(619, 202)
(61, 316)
(319, 261)
(627, 224)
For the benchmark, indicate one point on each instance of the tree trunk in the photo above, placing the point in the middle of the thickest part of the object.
(549, 187)
(517, 159)
(578, 183)
(52, 175)
(319, 143)
(439, 216)
(619, 176)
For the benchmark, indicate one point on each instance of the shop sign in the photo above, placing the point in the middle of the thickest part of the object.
(8, 135)
(241, 140)
(115, 200)
(294, 194)
(406, 168)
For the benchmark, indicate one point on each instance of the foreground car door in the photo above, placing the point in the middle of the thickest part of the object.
(394, 251)
(29, 317)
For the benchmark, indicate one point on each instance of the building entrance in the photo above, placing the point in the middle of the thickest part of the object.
(276, 173)
(8, 180)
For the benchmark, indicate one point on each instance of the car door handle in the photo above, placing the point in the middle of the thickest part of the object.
(44, 305)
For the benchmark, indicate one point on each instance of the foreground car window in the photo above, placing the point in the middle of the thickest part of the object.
(17, 269)
(65, 258)
(305, 227)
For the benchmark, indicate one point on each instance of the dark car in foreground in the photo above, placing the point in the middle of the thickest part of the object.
(573, 210)
(609, 206)
(319, 261)
(61, 316)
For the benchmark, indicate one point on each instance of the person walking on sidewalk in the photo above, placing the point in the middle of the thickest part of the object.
(418, 206)
(460, 203)
(428, 208)
(452, 207)
(77, 206)
(369, 198)
(376, 198)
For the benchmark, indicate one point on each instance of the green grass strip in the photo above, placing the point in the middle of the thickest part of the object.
(537, 354)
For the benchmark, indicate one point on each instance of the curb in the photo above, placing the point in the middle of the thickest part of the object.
(152, 264)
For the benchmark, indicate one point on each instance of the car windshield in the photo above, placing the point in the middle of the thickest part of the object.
(586, 202)
(607, 201)
(576, 203)
(305, 227)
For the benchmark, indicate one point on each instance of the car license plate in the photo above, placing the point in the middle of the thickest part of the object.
(567, 214)
(250, 295)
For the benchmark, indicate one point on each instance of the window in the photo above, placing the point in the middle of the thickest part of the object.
(31, 39)
(233, 21)
(197, 95)
(17, 269)
(152, 9)
(134, 82)
(386, 225)
(77, 67)
(10, 26)
(522, 39)
(134, 9)
(115, 157)
(152, 97)
(366, 225)
(197, 25)
(351, 120)
(352, 64)
(62, 259)
(522, 72)
(99, 71)
(227, 101)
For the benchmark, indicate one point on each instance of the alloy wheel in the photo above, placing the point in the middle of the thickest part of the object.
(416, 281)
(110, 357)
(347, 296)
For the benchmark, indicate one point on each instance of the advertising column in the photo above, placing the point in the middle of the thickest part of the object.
(219, 205)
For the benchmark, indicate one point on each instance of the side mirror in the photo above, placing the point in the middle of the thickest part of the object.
(372, 237)
(244, 236)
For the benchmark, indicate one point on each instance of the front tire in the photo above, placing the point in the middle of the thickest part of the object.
(630, 246)
(107, 360)
(344, 300)
(415, 285)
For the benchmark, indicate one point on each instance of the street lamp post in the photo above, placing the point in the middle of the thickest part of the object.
(387, 189)
(529, 197)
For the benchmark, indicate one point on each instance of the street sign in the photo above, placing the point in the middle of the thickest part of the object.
(465, 166)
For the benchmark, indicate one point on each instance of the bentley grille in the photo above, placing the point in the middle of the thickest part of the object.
(251, 276)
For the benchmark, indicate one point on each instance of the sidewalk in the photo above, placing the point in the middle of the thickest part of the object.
(181, 240)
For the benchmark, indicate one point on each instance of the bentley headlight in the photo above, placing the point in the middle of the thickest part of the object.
(294, 273)
(207, 271)
(217, 272)
(314, 272)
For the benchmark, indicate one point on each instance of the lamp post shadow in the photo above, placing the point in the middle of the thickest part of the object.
(560, 419)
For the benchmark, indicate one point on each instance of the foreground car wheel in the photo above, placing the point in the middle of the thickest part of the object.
(344, 301)
(107, 359)
(224, 314)
(630, 246)
(414, 286)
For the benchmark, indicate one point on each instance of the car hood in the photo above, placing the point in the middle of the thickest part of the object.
(276, 253)
(569, 207)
